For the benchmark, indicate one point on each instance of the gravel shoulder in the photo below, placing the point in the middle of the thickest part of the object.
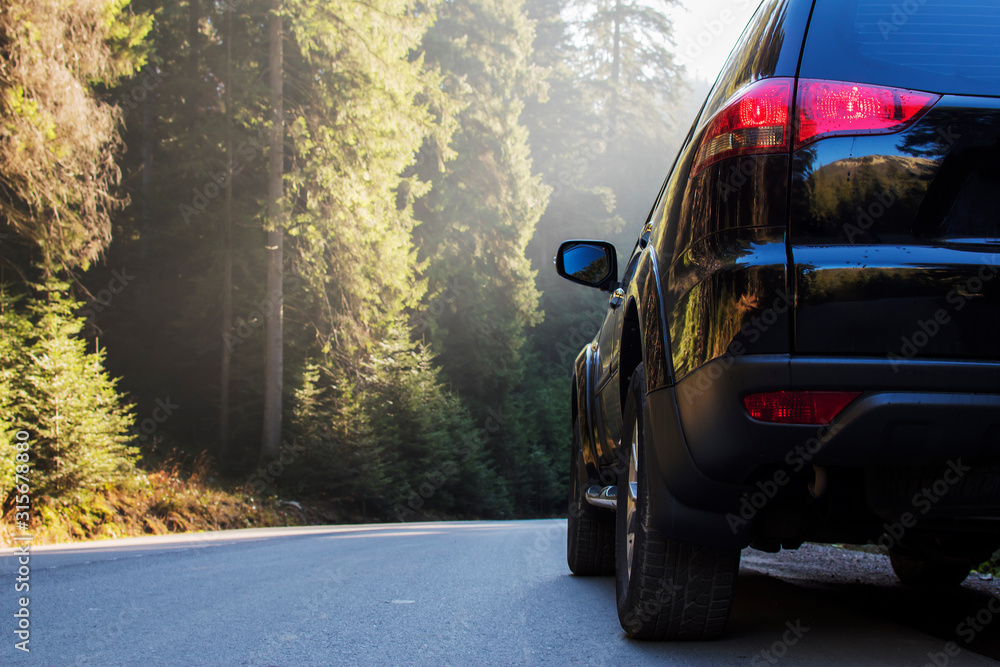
(966, 615)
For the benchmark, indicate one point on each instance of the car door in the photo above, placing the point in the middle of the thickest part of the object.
(608, 394)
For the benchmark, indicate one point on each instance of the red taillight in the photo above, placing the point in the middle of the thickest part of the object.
(828, 108)
(754, 122)
(798, 407)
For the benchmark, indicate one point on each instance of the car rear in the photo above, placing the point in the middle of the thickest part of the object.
(884, 378)
(895, 237)
(894, 253)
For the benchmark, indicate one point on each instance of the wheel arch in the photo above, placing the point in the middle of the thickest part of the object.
(631, 354)
(582, 409)
(644, 337)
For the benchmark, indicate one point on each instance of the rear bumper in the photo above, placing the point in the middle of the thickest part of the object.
(708, 451)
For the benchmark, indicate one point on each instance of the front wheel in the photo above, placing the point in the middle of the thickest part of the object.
(666, 589)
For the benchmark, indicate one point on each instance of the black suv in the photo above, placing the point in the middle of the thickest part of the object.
(805, 342)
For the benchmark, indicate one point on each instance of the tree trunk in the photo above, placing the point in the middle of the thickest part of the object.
(148, 137)
(227, 249)
(615, 69)
(194, 57)
(271, 441)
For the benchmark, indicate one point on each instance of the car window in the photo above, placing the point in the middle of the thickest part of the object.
(942, 46)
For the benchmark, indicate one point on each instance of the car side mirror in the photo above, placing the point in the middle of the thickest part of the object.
(590, 263)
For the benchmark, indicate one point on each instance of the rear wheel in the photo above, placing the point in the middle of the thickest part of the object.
(917, 572)
(590, 539)
(666, 589)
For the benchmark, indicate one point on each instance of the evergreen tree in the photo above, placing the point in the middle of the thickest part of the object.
(603, 140)
(275, 230)
(359, 103)
(393, 442)
(478, 218)
(58, 148)
(625, 55)
(58, 143)
(361, 110)
(62, 397)
(196, 171)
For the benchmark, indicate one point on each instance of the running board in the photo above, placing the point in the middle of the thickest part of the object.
(603, 497)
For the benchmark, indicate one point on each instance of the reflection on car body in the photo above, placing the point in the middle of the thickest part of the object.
(804, 337)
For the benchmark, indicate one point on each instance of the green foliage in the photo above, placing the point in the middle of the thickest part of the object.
(60, 394)
(476, 224)
(478, 218)
(393, 443)
(16, 329)
(358, 124)
(423, 141)
(990, 568)
(58, 143)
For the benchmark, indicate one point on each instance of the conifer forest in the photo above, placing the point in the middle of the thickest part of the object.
(302, 249)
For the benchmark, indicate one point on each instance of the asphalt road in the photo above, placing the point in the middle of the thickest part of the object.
(450, 594)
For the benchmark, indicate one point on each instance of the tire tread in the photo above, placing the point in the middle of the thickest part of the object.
(678, 591)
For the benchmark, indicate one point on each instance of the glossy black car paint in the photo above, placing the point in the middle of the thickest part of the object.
(858, 263)
(921, 234)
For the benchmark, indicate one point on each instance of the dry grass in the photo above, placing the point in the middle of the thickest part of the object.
(172, 499)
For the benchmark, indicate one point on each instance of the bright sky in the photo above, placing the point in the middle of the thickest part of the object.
(706, 30)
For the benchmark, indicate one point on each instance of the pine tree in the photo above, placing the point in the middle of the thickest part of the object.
(478, 218)
(358, 124)
(58, 143)
(194, 239)
(62, 397)
(58, 148)
(275, 230)
(393, 442)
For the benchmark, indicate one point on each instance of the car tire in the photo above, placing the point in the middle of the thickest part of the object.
(918, 572)
(667, 590)
(590, 534)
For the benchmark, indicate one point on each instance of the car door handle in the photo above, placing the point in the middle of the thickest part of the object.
(616, 298)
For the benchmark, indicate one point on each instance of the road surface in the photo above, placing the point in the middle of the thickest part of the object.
(477, 593)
